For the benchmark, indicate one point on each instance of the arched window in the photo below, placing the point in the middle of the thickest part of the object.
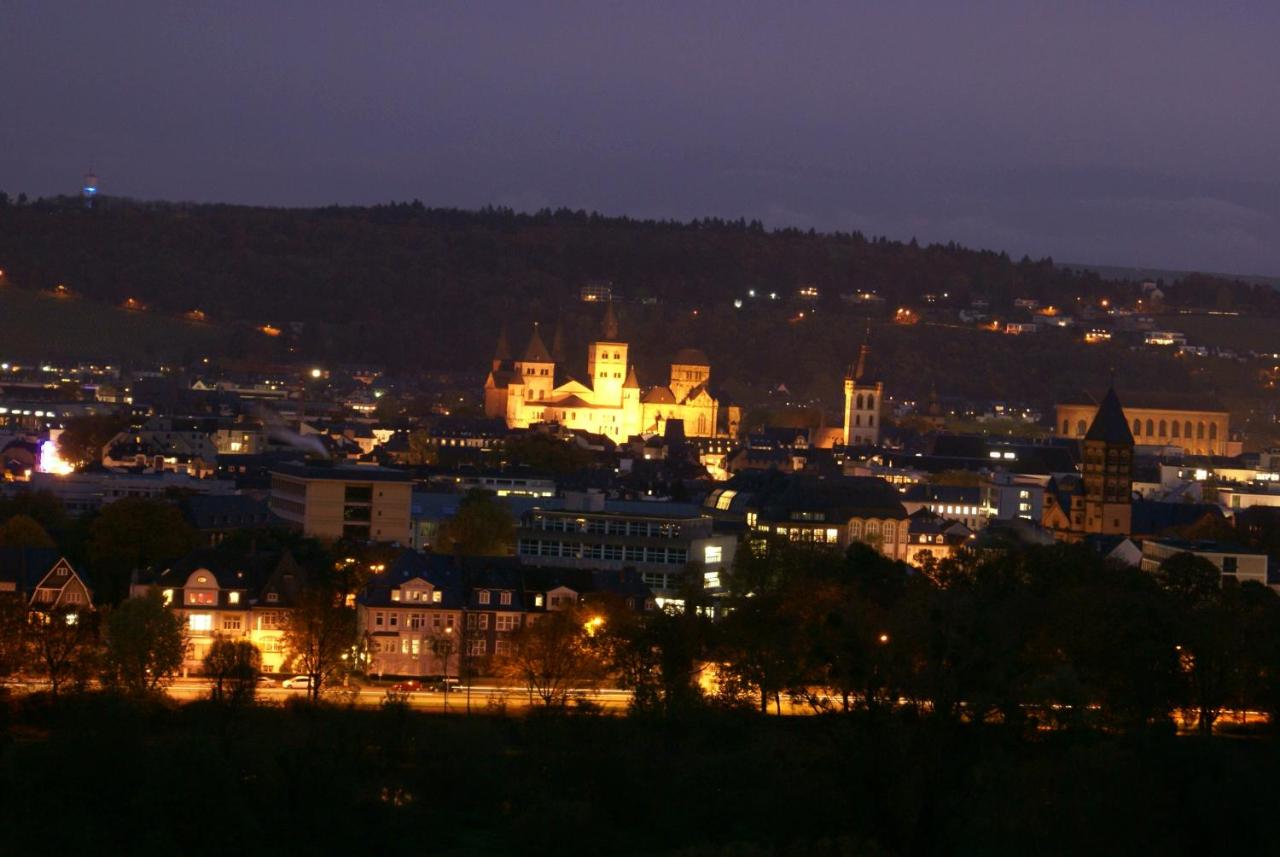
(1186, 429)
(889, 531)
(871, 402)
(873, 528)
(1213, 431)
(1200, 431)
(871, 419)
(1175, 428)
(1164, 428)
(857, 420)
(855, 529)
(857, 403)
(1137, 427)
(1064, 428)
(1081, 428)
(1151, 428)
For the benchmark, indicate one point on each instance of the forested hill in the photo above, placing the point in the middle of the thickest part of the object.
(409, 285)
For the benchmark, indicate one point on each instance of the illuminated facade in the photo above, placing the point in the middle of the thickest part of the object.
(863, 398)
(533, 389)
(1158, 420)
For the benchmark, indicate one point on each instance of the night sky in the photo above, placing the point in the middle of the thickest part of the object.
(1112, 133)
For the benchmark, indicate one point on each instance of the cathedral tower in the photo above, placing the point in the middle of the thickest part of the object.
(607, 362)
(1108, 470)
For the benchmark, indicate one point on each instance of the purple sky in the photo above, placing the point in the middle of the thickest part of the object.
(1104, 132)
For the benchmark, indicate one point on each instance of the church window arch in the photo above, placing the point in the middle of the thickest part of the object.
(1200, 431)
(1213, 431)
(1151, 428)
(857, 419)
(1175, 428)
(855, 529)
(1186, 429)
(1065, 429)
(871, 419)
(1081, 428)
(1137, 427)
(857, 402)
(871, 402)
(1164, 428)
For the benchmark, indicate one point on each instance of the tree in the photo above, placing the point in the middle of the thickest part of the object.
(130, 534)
(63, 645)
(84, 437)
(145, 644)
(13, 635)
(555, 655)
(233, 666)
(23, 531)
(421, 449)
(481, 527)
(320, 635)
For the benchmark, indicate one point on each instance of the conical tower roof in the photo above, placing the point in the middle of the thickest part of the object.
(557, 343)
(632, 382)
(502, 351)
(537, 351)
(1110, 424)
(609, 326)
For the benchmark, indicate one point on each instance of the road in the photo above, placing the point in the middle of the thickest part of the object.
(483, 697)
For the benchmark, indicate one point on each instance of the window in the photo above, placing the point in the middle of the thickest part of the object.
(393, 620)
(233, 597)
(231, 623)
(477, 647)
(482, 621)
(483, 597)
(502, 647)
(506, 622)
(379, 619)
(712, 554)
(200, 622)
(202, 597)
(1230, 564)
(504, 599)
(435, 596)
(272, 596)
(73, 597)
(395, 595)
(1137, 428)
(168, 597)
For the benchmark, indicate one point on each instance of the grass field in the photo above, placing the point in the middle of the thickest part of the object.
(35, 326)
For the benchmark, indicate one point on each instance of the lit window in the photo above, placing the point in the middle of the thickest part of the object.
(504, 598)
(200, 622)
(168, 597)
(395, 595)
(435, 596)
(233, 597)
(712, 554)
(484, 596)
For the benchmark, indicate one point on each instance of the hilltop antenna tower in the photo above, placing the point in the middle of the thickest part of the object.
(89, 188)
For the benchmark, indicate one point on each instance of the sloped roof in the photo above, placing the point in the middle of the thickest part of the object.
(691, 357)
(1109, 424)
(659, 396)
(632, 382)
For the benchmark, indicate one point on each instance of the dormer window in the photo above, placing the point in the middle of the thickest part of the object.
(233, 597)
(273, 597)
(395, 595)
(483, 597)
(435, 596)
(504, 598)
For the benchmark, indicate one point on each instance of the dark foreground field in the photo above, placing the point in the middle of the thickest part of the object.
(98, 776)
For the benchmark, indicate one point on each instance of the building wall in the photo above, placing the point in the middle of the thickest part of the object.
(1248, 567)
(1157, 427)
(330, 508)
(862, 409)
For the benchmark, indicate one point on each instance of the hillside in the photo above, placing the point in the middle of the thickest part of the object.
(414, 287)
(37, 326)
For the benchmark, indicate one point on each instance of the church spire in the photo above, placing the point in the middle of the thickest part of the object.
(537, 351)
(859, 370)
(501, 352)
(557, 343)
(609, 326)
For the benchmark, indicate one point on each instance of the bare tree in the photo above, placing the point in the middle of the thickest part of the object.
(320, 635)
(556, 655)
(62, 644)
(233, 665)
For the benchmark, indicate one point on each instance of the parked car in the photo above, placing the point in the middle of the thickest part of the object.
(438, 684)
(266, 681)
(300, 682)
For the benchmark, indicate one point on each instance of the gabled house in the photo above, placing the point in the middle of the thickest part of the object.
(43, 579)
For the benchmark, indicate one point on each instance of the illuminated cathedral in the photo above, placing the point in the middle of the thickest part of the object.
(535, 388)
